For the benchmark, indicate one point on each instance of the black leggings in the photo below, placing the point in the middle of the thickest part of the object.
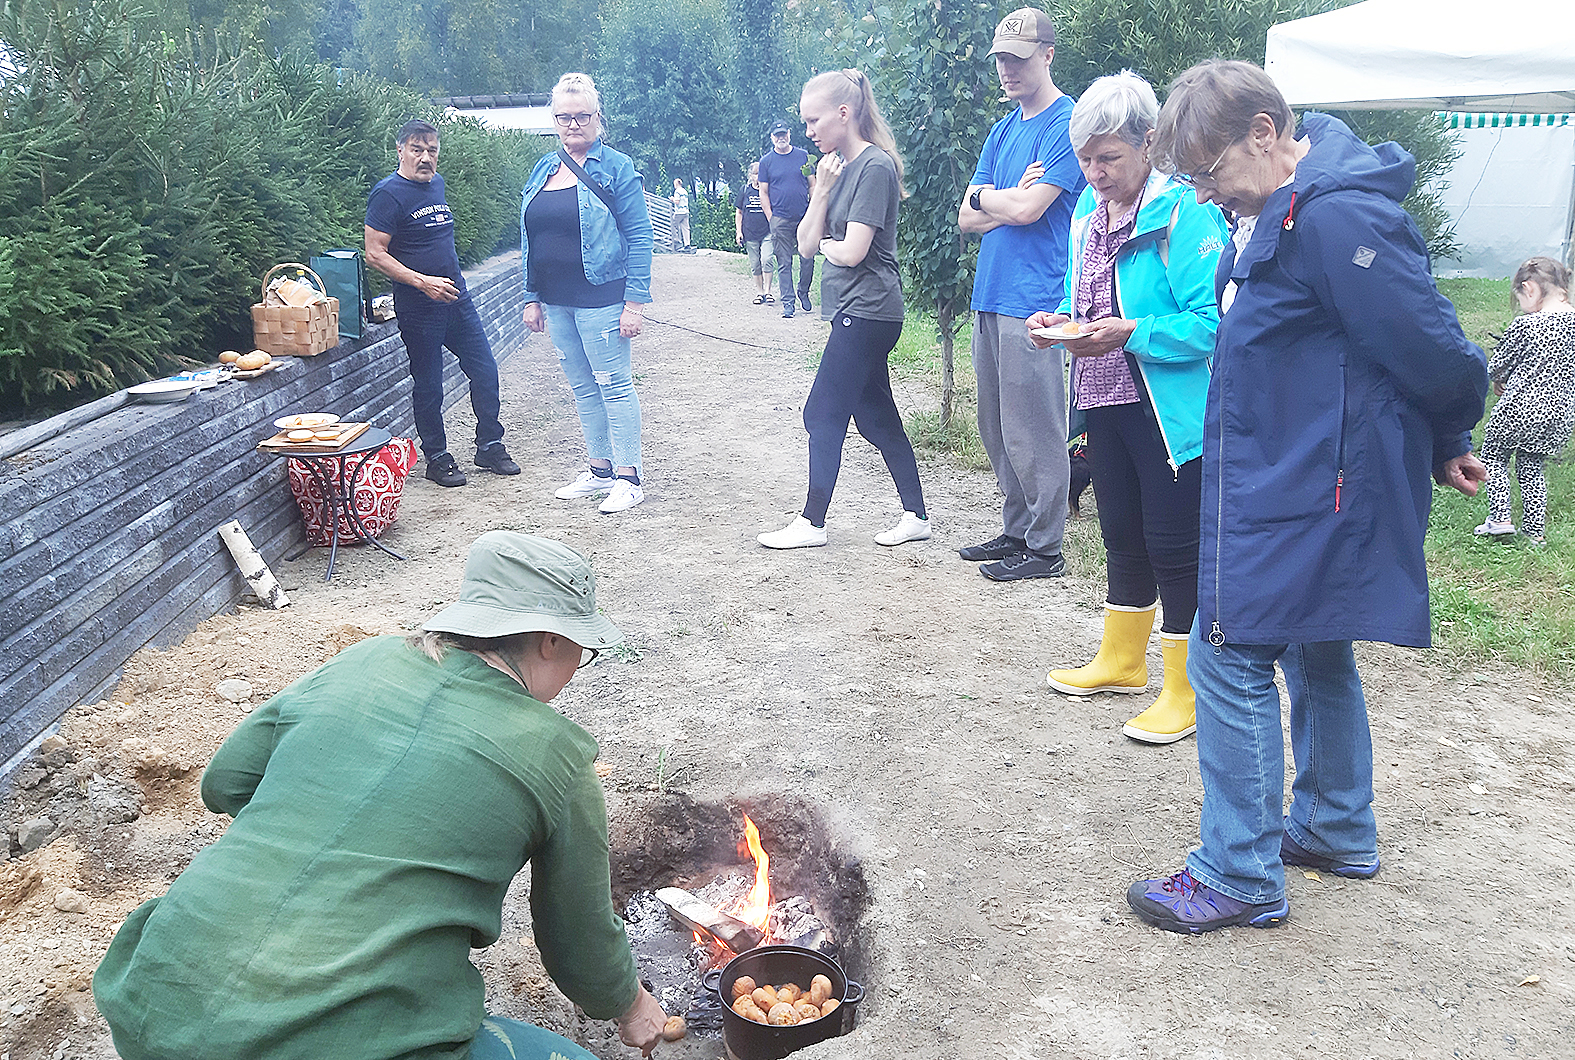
(853, 382)
(1148, 514)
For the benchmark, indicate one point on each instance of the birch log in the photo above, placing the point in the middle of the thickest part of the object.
(250, 561)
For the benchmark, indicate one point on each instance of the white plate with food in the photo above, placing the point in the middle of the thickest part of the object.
(306, 421)
(1057, 332)
(164, 391)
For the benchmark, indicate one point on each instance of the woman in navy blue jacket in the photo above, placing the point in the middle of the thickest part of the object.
(1342, 386)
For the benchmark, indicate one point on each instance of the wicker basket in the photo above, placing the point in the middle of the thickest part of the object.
(295, 331)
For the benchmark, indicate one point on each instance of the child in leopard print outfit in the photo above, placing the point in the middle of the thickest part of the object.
(1533, 373)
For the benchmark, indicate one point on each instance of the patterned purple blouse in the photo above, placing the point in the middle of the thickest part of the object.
(1105, 380)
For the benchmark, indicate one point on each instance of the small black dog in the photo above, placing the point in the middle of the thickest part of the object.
(1082, 478)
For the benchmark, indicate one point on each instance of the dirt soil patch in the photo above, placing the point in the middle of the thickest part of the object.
(997, 823)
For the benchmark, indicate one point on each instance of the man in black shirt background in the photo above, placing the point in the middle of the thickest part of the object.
(410, 239)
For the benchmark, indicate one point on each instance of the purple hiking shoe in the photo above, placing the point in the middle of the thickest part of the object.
(1182, 903)
(1293, 853)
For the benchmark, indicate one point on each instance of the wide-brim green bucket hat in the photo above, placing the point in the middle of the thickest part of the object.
(516, 583)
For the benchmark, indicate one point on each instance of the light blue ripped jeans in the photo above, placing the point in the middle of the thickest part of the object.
(597, 361)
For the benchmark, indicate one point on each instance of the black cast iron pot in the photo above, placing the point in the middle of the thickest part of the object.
(748, 1040)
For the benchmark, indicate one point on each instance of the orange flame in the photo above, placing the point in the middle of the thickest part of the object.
(757, 907)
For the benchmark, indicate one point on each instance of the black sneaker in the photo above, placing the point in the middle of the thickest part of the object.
(1025, 564)
(995, 548)
(444, 470)
(496, 459)
(803, 300)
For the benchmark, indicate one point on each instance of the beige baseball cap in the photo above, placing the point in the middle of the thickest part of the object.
(1022, 31)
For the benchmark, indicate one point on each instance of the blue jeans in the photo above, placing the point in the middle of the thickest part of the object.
(500, 1038)
(597, 361)
(1241, 758)
(426, 330)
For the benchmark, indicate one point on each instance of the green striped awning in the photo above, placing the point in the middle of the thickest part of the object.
(1458, 120)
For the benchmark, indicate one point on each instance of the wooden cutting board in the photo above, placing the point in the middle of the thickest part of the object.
(348, 432)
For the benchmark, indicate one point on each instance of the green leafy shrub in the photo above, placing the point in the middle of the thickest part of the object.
(146, 191)
(711, 223)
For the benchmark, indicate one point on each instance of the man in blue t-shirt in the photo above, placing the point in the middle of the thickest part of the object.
(784, 194)
(1020, 200)
(410, 239)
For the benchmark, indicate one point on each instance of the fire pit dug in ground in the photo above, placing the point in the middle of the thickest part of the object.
(757, 887)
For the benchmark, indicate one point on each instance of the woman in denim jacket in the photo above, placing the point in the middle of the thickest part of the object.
(1140, 288)
(587, 279)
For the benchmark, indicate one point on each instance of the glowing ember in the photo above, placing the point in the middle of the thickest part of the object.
(757, 907)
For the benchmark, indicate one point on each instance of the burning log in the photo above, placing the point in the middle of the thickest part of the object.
(696, 914)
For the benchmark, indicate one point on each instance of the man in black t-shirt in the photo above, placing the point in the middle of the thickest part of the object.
(784, 193)
(410, 239)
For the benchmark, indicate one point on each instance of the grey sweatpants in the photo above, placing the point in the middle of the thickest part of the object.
(1022, 423)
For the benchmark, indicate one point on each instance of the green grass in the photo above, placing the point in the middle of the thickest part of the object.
(1493, 601)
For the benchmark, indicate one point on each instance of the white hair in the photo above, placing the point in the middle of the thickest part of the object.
(577, 85)
(1121, 104)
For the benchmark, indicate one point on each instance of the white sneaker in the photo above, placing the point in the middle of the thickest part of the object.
(1492, 529)
(800, 533)
(587, 485)
(909, 528)
(624, 495)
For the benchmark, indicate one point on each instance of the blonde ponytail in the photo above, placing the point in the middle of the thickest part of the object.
(850, 88)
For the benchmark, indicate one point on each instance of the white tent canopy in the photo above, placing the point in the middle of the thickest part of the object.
(1457, 55)
(1512, 192)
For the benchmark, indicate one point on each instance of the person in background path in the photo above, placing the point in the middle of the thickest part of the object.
(410, 239)
(1533, 371)
(1140, 373)
(784, 195)
(1342, 387)
(1020, 201)
(852, 217)
(586, 253)
(752, 231)
(680, 198)
(382, 805)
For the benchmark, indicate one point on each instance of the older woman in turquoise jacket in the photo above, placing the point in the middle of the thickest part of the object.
(1139, 318)
(585, 246)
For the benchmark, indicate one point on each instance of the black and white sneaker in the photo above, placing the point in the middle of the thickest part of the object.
(1022, 565)
(995, 548)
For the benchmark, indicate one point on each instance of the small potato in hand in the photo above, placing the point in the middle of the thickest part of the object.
(819, 989)
(782, 1015)
(807, 1011)
(743, 985)
(674, 1029)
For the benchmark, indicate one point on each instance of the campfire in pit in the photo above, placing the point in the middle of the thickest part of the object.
(726, 920)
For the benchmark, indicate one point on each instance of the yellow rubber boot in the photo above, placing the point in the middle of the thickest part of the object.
(1172, 716)
(1120, 665)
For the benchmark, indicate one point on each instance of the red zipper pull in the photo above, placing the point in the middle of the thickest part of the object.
(1339, 480)
(1289, 222)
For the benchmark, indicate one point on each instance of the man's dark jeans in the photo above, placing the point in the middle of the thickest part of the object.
(426, 329)
(784, 244)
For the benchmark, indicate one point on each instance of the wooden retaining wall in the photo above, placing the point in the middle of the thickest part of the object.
(108, 532)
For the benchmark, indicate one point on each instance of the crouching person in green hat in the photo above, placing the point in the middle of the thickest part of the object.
(382, 805)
